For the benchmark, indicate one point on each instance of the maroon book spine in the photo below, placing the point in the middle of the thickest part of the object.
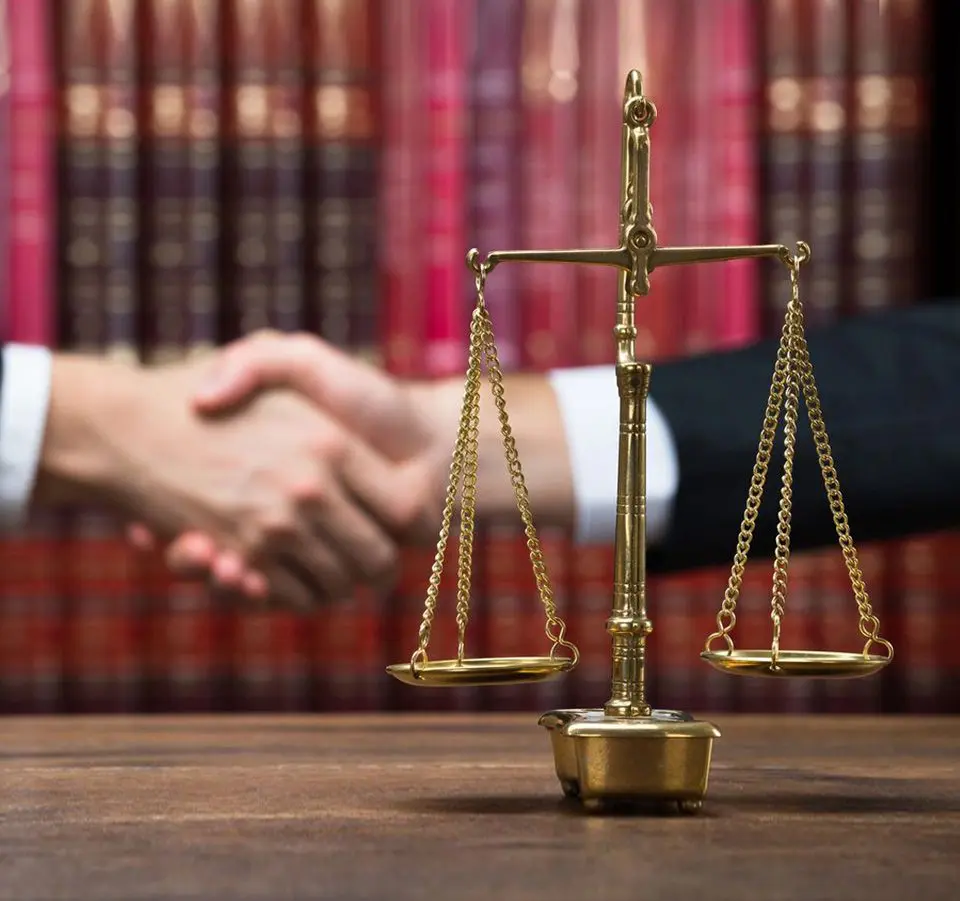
(343, 238)
(400, 224)
(6, 66)
(286, 62)
(30, 590)
(494, 204)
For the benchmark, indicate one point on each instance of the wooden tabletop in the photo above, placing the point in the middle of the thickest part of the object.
(465, 808)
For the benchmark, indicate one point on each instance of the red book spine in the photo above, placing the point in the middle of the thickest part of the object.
(734, 138)
(702, 301)
(550, 70)
(652, 35)
(401, 224)
(597, 215)
(495, 181)
(32, 184)
(598, 180)
(494, 206)
(403, 278)
(728, 294)
(550, 85)
(11, 628)
(784, 220)
(31, 600)
(444, 183)
(919, 630)
(5, 173)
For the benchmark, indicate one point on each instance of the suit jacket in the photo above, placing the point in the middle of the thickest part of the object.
(889, 385)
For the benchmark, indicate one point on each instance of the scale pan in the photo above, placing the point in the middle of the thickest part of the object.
(481, 671)
(796, 664)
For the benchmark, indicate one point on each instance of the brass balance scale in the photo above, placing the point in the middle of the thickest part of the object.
(626, 750)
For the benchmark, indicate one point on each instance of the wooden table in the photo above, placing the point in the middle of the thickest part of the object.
(463, 808)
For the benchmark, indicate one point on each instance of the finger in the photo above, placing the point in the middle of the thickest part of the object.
(231, 571)
(364, 547)
(191, 554)
(228, 570)
(289, 590)
(230, 380)
(389, 493)
(141, 537)
(310, 560)
(255, 585)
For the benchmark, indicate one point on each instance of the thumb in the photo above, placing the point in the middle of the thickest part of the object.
(237, 372)
(363, 399)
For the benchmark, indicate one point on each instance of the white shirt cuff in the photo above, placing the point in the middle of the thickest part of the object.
(590, 410)
(24, 399)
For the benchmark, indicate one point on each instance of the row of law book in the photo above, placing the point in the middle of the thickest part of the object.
(177, 173)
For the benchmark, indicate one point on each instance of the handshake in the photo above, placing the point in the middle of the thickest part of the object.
(279, 468)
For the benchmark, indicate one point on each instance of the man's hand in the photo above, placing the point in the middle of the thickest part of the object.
(412, 425)
(275, 480)
(408, 425)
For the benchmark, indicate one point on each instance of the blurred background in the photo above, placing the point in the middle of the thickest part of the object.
(175, 173)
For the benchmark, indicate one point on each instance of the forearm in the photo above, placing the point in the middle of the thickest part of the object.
(90, 405)
(537, 428)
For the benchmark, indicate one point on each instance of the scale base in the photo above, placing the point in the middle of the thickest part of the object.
(652, 761)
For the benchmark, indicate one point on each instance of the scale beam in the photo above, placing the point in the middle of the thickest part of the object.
(622, 258)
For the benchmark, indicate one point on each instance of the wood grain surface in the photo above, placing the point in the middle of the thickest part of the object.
(465, 808)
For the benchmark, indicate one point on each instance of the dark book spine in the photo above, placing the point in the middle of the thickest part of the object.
(178, 310)
(205, 295)
(250, 242)
(81, 310)
(248, 176)
(286, 65)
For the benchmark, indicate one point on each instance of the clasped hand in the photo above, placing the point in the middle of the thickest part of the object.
(297, 474)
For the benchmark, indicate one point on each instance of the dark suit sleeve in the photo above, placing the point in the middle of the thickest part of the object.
(890, 391)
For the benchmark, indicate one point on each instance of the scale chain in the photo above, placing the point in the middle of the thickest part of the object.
(790, 401)
(471, 389)
(463, 468)
(869, 625)
(793, 372)
(520, 490)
